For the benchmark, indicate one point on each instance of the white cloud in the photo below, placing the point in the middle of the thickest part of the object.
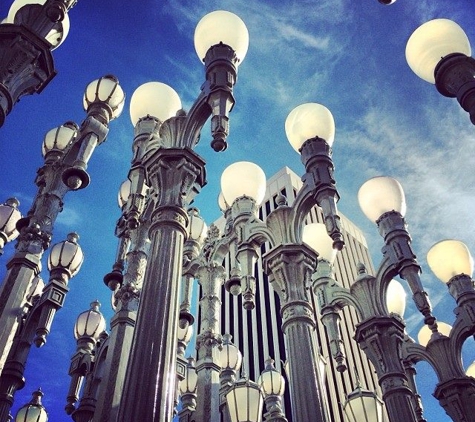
(69, 217)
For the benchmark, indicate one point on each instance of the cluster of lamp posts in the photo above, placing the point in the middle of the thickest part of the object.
(221, 40)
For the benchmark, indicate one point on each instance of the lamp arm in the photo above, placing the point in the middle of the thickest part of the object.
(464, 325)
(329, 292)
(215, 99)
(442, 353)
(319, 188)
(92, 133)
(331, 299)
(400, 259)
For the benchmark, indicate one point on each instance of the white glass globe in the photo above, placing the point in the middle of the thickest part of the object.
(431, 42)
(59, 138)
(221, 26)
(154, 99)
(105, 89)
(471, 370)
(124, 192)
(243, 178)
(315, 235)
(307, 121)
(67, 255)
(54, 37)
(449, 258)
(396, 298)
(425, 332)
(380, 195)
(90, 323)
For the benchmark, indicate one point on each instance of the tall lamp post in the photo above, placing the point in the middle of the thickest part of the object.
(380, 332)
(176, 174)
(66, 150)
(39, 310)
(32, 29)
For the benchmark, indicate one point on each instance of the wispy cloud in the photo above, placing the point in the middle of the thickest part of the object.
(69, 218)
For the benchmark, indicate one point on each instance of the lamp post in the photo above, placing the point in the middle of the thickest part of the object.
(33, 411)
(66, 150)
(29, 33)
(380, 332)
(176, 174)
(37, 316)
(89, 330)
(439, 52)
(273, 387)
(244, 401)
(451, 262)
(291, 262)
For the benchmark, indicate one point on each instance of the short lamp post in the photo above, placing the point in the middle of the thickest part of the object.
(439, 52)
(89, 329)
(28, 35)
(245, 401)
(272, 384)
(363, 406)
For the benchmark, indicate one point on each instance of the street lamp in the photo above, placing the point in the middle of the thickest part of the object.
(37, 316)
(188, 388)
(244, 401)
(272, 384)
(32, 29)
(66, 151)
(89, 330)
(380, 332)
(175, 173)
(439, 52)
(33, 411)
(363, 406)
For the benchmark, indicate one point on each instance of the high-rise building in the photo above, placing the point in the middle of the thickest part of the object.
(258, 333)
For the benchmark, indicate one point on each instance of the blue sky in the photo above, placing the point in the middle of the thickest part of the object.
(347, 55)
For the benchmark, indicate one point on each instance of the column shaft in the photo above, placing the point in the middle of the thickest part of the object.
(150, 378)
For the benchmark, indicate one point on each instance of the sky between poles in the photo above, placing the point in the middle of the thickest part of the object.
(347, 55)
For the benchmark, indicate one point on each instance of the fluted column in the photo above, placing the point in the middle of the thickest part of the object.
(208, 342)
(122, 328)
(457, 397)
(175, 174)
(381, 339)
(292, 266)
